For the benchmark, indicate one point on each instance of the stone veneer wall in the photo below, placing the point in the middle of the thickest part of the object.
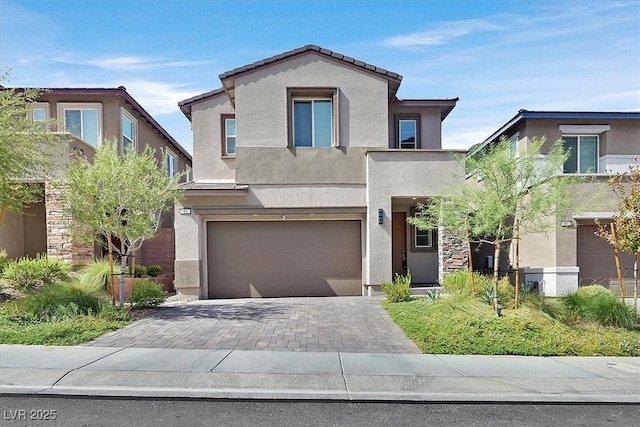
(60, 243)
(453, 253)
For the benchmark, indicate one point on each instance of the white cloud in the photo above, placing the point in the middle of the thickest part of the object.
(157, 97)
(443, 33)
(126, 62)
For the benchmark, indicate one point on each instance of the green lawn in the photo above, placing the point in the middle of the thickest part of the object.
(65, 331)
(447, 326)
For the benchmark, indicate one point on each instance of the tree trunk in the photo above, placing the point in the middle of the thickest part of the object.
(496, 263)
(472, 278)
(123, 264)
(517, 296)
(617, 257)
(112, 289)
(635, 282)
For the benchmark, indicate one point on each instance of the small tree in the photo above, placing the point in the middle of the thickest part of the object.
(624, 231)
(120, 196)
(25, 151)
(512, 194)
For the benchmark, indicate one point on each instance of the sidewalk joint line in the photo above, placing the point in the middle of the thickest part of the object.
(449, 365)
(86, 364)
(344, 376)
(221, 360)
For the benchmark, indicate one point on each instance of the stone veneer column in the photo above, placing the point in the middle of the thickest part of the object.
(453, 254)
(60, 243)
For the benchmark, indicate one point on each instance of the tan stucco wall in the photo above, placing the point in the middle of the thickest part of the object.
(400, 173)
(261, 101)
(208, 163)
(430, 125)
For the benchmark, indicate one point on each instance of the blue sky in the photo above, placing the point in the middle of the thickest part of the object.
(496, 56)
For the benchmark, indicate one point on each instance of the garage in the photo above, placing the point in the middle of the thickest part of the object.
(596, 261)
(284, 258)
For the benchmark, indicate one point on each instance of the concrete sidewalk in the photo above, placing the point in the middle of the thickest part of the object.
(241, 374)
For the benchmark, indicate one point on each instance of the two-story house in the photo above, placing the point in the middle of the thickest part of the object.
(600, 144)
(87, 117)
(306, 166)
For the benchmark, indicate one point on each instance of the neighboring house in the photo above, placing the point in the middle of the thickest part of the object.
(88, 117)
(600, 144)
(306, 166)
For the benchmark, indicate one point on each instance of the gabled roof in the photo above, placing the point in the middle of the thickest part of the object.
(185, 106)
(562, 115)
(122, 93)
(228, 78)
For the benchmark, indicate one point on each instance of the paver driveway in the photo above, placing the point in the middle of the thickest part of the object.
(347, 324)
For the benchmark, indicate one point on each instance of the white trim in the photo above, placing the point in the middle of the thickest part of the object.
(124, 112)
(593, 129)
(169, 153)
(63, 106)
(38, 105)
(227, 154)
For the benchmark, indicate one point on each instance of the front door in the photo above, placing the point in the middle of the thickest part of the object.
(399, 243)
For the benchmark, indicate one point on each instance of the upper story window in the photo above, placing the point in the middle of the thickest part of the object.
(407, 132)
(313, 117)
(39, 111)
(129, 132)
(82, 120)
(583, 153)
(188, 176)
(171, 163)
(229, 135)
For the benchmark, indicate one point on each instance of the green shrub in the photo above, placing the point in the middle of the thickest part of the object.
(598, 304)
(138, 271)
(27, 274)
(153, 270)
(60, 301)
(3, 261)
(97, 274)
(458, 283)
(146, 293)
(399, 290)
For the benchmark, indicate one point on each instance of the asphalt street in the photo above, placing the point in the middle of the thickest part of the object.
(70, 412)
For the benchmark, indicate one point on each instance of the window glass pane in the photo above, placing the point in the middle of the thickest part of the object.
(39, 114)
(231, 127)
(302, 135)
(589, 154)
(423, 238)
(231, 145)
(90, 127)
(73, 122)
(127, 127)
(407, 133)
(171, 165)
(322, 123)
(571, 145)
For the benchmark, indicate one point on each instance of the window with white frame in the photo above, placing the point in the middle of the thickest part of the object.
(422, 240)
(39, 111)
(129, 130)
(583, 153)
(313, 117)
(82, 120)
(228, 135)
(171, 163)
(188, 176)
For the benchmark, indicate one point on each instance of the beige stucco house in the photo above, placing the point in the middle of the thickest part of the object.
(306, 165)
(601, 144)
(87, 117)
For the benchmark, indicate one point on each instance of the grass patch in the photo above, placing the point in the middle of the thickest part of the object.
(71, 330)
(459, 325)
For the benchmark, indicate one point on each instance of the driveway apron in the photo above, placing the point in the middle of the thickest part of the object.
(346, 324)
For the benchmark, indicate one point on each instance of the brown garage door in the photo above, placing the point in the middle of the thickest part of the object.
(596, 260)
(284, 258)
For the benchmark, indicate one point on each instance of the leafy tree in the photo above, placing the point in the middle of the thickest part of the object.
(26, 156)
(624, 231)
(506, 196)
(122, 197)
